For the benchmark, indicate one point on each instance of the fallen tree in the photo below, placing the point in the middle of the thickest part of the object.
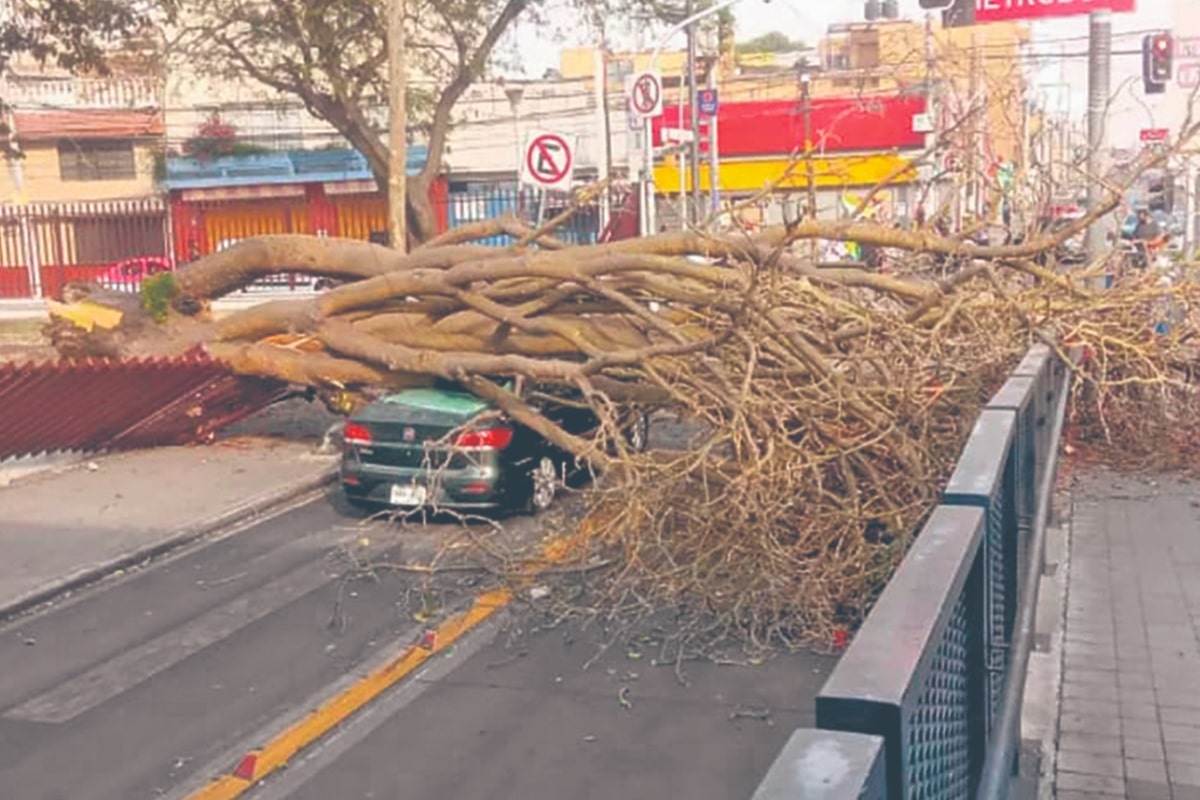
(831, 400)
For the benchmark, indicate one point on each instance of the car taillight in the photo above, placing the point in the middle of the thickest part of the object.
(354, 433)
(487, 439)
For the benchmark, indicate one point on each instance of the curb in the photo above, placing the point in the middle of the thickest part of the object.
(262, 505)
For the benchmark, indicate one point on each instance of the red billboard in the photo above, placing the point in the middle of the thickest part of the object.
(1015, 10)
(837, 125)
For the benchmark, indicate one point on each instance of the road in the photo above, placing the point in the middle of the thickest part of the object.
(522, 719)
(125, 690)
(150, 684)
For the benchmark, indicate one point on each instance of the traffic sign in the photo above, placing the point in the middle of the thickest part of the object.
(645, 95)
(1155, 134)
(549, 162)
(707, 102)
(1012, 10)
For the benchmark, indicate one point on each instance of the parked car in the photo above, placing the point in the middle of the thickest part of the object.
(128, 275)
(443, 447)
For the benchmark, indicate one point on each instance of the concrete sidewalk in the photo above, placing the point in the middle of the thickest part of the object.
(1129, 721)
(61, 528)
(36, 308)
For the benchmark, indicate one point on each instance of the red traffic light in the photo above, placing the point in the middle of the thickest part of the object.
(1162, 43)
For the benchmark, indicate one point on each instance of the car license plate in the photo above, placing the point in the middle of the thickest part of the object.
(408, 495)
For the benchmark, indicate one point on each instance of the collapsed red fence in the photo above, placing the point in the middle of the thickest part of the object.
(99, 405)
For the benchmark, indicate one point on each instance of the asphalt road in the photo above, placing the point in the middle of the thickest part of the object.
(152, 683)
(124, 691)
(521, 719)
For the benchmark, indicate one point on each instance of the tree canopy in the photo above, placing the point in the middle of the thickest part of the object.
(332, 55)
(77, 35)
(771, 42)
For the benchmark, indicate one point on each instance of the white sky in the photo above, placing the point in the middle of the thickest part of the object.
(537, 49)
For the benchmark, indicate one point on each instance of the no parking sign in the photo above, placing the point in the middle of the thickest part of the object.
(549, 161)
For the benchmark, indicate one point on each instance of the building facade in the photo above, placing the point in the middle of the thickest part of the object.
(74, 139)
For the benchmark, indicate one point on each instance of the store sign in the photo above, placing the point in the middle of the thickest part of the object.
(1016, 10)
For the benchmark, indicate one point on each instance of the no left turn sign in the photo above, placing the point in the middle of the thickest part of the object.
(645, 95)
(549, 162)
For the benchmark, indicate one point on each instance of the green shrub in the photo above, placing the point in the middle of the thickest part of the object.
(158, 292)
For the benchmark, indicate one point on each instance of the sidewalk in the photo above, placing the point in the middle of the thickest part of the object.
(35, 308)
(1130, 707)
(64, 527)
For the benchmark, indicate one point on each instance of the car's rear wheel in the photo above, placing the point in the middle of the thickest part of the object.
(543, 485)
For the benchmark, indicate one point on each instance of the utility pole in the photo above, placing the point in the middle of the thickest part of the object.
(608, 135)
(1099, 80)
(601, 92)
(693, 211)
(931, 113)
(973, 144)
(397, 128)
(810, 172)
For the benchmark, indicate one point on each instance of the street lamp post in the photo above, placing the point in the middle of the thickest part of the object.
(514, 95)
(810, 173)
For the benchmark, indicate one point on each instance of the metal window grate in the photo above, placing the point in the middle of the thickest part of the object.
(99, 160)
(1000, 600)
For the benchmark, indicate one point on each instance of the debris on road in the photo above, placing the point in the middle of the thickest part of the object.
(745, 712)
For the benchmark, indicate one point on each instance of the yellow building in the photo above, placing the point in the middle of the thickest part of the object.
(82, 139)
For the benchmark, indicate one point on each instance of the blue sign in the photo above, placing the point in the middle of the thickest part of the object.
(706, 101)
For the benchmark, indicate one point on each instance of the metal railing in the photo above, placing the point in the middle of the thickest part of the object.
(66, 92)
(936, 674)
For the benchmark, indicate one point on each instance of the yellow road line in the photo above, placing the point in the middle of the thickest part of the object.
(276, 753)
(257, 764)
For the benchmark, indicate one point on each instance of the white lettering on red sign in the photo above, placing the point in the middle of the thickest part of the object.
(1003, 10)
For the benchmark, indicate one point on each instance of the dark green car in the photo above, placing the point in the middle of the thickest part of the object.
(443, 447)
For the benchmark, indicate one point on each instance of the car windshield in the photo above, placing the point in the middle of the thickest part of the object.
(454, 387)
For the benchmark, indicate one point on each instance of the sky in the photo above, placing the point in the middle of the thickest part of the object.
(806, 20)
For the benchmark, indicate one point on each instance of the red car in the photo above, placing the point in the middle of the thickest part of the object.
(128, 275)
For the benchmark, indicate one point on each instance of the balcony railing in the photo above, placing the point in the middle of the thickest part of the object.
(53, 92)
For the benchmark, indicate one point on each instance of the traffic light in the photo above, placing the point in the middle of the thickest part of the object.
(956, 14)
(1161, 194)
(1158, 51)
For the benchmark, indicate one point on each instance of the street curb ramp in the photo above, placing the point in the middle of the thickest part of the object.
(264, 504)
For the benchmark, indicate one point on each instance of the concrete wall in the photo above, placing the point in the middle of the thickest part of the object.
(488, 138)
(43, 181)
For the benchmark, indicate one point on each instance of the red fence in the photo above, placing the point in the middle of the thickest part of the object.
(47, 246)
(43, 247)
(115, 405)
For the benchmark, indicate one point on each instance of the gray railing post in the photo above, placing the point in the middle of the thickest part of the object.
(827, 765)
(912, 674)
(984, 479)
